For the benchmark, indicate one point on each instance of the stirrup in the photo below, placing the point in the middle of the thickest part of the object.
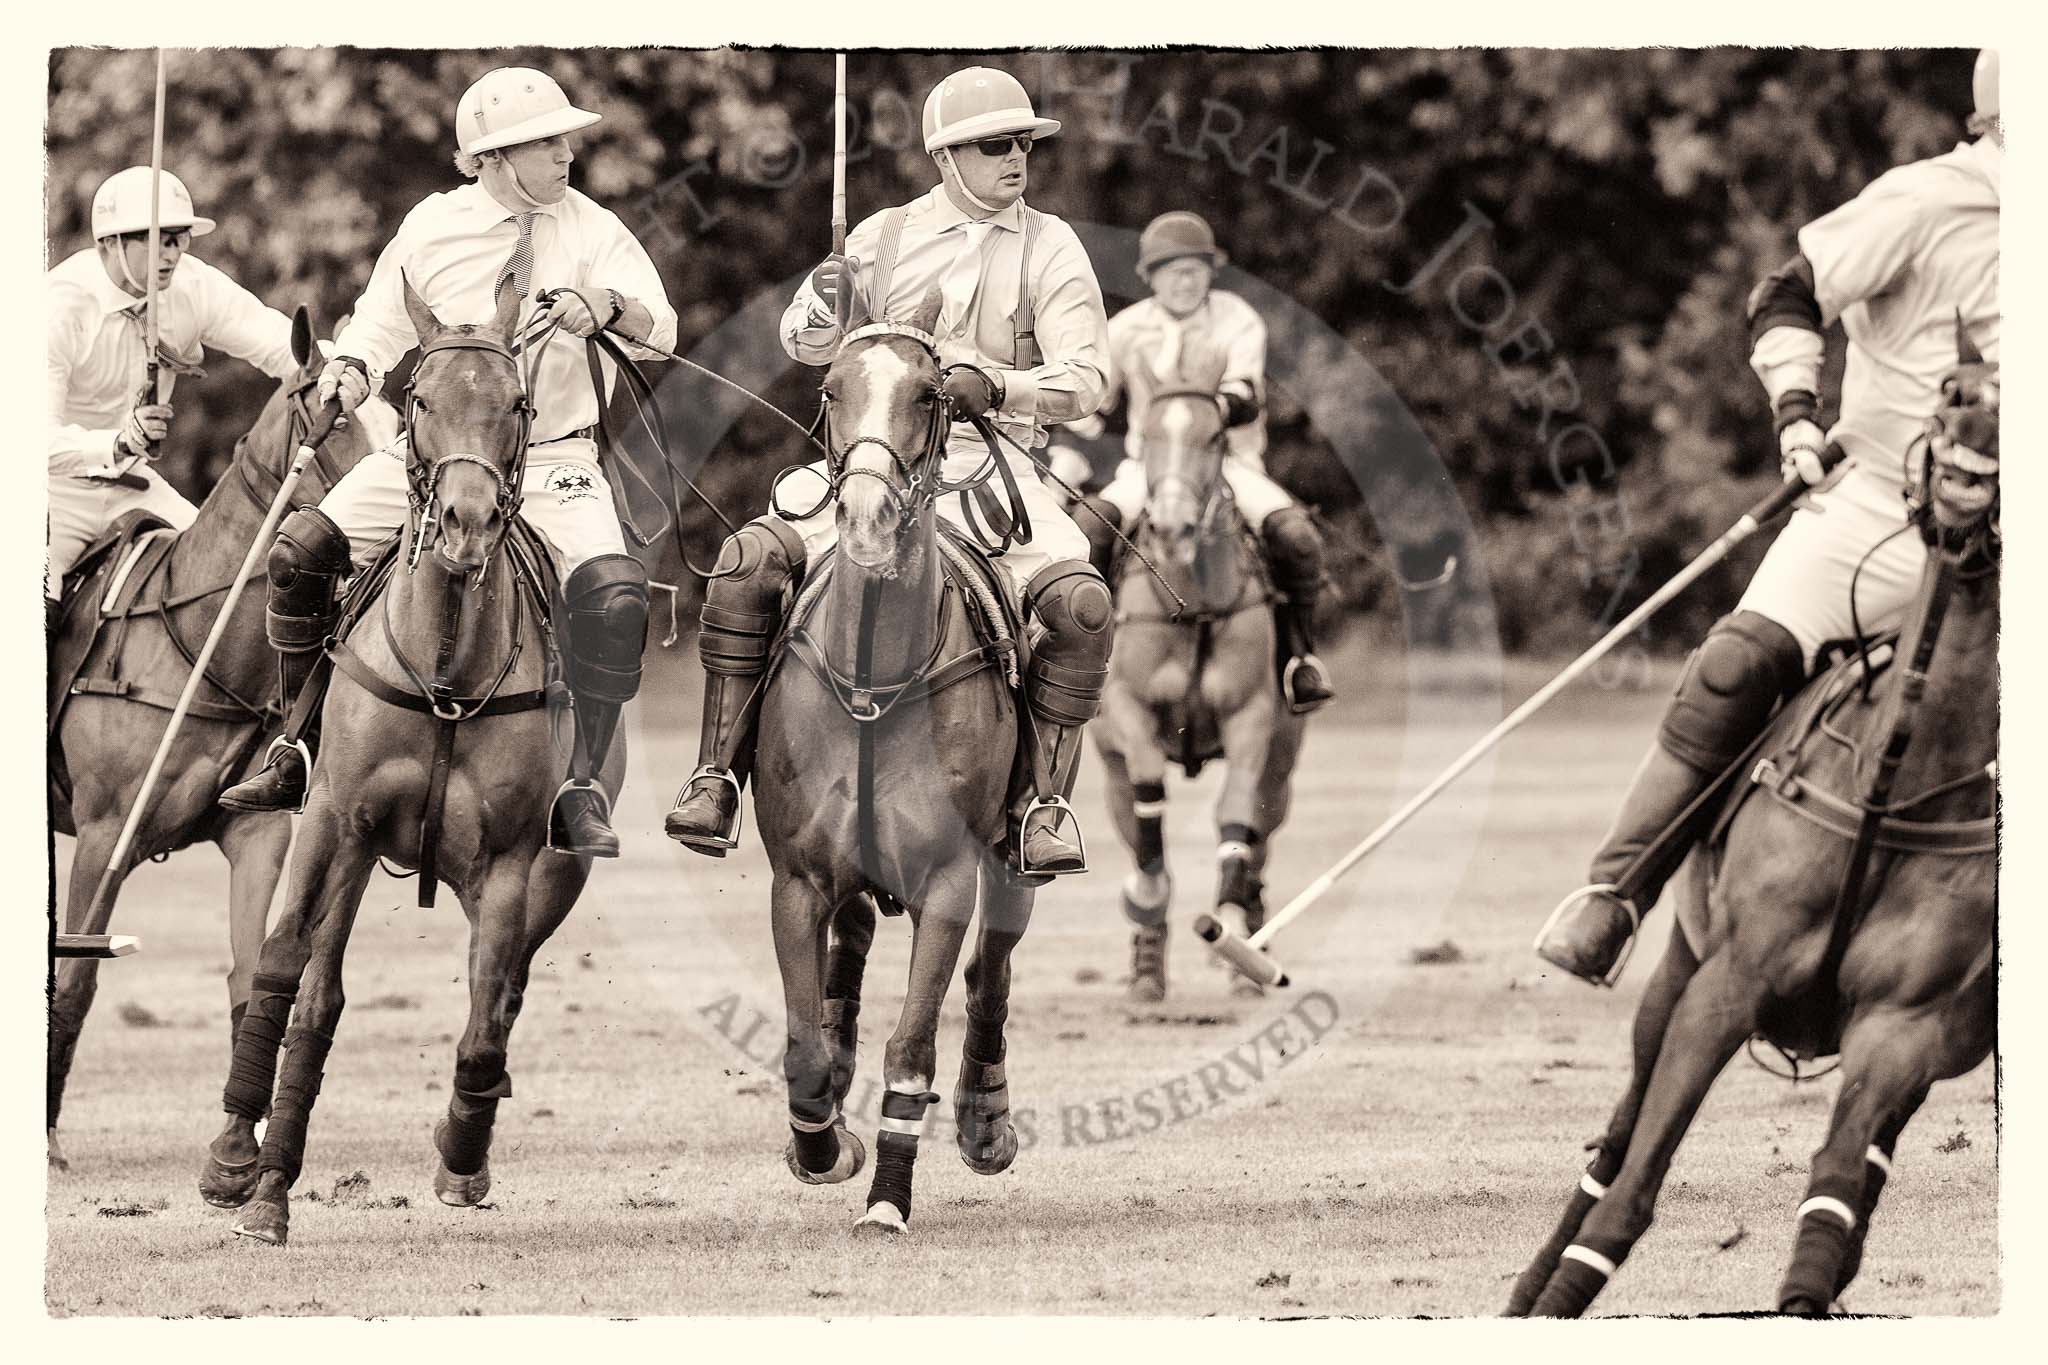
(285, 744)
(1058, 805)
(1635, 925)
(604, 805)
(1295, 663)
(729, 838)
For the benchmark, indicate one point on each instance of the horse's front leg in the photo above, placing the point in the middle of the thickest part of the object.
(499, 950)
(1716, 1010)
(77, 978)
(911, 1059)
(1137, 802)
(301, 962)
(821, 1151)
(1247, 734)
(981, 1101)
(1653, 1015)
(846, 964)
(255, 847)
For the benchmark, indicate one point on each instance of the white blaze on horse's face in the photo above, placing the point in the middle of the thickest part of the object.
(1174, 503)
(879, 401)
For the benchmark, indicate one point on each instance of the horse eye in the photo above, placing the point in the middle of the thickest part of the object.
(421, 404)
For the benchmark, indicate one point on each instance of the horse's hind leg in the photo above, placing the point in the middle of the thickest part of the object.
(302, 958)
(821, 1150)
(912, 1055)
(981, 1102)
(1653, 1014)
(1715, 1012)
(1887, 1055)
(1138, 809)
(846, 962)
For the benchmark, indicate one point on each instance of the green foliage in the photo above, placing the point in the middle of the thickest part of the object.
(1631, 199)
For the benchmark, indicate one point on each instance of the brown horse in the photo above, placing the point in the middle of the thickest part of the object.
(1825, 928)
(884, 765)
(439, 755)
(115, 681)
(1191, 683)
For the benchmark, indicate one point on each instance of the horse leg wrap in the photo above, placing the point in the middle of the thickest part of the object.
(816, 1140)
(1148, 805)
(466, 1141)
(985, 1042)
(1581, 1275)
(252, 1074)
(284, 1141)
(1876, 1171)
(1827, 1224)
(1236, 846)
(896, 1148)
(1592, 1185)
(235, 1016)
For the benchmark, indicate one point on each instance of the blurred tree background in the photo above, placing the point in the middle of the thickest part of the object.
(1544, 254)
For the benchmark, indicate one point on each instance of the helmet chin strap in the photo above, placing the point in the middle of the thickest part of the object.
(960, 182)
(140, 289)
(512, 174)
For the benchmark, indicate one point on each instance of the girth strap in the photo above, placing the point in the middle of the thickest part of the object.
(1954, 838)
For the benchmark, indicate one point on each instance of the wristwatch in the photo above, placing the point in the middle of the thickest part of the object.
(618, 308)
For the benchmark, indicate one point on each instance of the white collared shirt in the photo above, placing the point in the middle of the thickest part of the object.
(1071, 325)
(454, 246)
(1897, 264)
(1223, 320)
(97, 357)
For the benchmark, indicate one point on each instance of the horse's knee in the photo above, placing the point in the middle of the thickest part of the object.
(606, 601)
(480, 1070)
(743, 601)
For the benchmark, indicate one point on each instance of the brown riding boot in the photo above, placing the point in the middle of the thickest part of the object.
(1724, 700)
(743, 605)
(1294, 558)
(1063, 690)
(1148, 965)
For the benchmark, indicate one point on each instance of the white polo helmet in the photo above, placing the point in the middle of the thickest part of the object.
(122, 205)
(976, 103)
(511, 105)
(1984, 83)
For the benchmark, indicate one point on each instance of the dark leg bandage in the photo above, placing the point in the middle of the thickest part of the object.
(466, 1141)
(284, 1141)
(1148, 805)
(252, 1075)
(896, 1148)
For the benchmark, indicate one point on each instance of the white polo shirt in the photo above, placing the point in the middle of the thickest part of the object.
(97, 356)
(453, 247)
(1145, 336)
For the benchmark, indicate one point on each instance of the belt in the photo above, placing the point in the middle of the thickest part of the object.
(580, 434)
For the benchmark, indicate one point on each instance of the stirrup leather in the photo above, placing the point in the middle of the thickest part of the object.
(1635, 924)
(1295, 664)
(1058, 805)
(604, 805)
(724, 839)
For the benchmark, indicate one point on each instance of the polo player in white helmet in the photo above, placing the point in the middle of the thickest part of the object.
(518, 226)
(105, 429)
(1900, 265)
(1178, 259)
(996, 262)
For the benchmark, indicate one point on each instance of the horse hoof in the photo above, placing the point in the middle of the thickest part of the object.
(882, 1222)
(994, 1156)
(227, 1185)
(1799, 1306)
(852, 1156)
(265, 1222)
(462, 1191)
(58, 1161)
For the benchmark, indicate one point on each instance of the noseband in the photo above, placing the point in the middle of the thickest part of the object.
(423, 481)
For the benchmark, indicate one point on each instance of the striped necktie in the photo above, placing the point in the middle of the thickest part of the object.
(521, 265)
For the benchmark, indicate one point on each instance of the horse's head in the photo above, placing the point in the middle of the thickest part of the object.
(1182, 441)
(467, 420)
(885, 432)
(1961, 475)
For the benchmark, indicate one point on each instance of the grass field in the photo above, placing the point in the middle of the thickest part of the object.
(1393, 1136)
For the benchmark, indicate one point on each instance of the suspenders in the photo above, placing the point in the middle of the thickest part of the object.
(1024, 342)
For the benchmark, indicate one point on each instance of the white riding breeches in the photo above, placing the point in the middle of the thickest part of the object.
(82, 508)
(1258, 497)
(567, 499)
(1805, 579)
(1054, 536)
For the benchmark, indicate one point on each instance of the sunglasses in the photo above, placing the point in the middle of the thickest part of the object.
(180, 238)
(1000, 146)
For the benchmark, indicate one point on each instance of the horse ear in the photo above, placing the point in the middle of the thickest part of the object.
(423, 320)
(926, 316)
(507, 320)
(1966, 346)
(302, 336)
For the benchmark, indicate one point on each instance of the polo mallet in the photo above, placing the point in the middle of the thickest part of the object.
(324, 423)
(95, 945)
(151, 336)
(1249, 956)
(842, 297)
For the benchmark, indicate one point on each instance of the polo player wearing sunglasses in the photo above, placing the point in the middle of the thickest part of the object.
(105, 427)
(520, 227)
(1021, 306)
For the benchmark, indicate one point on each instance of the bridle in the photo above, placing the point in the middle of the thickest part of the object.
(1208, 506)
(912, 483)
(423, 481)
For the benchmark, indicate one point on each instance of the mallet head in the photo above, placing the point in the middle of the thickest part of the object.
(1236, 950)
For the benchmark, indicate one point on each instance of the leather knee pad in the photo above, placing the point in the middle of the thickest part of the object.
(1294, 547)
(307, 561)
(1070, 666)
(606, 603)
(1747, 663)
(743, 601)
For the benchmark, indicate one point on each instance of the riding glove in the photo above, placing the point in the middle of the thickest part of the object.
(344, 378)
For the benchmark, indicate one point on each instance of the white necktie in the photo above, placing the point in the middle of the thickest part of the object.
(1166, 364)
(956, 286)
